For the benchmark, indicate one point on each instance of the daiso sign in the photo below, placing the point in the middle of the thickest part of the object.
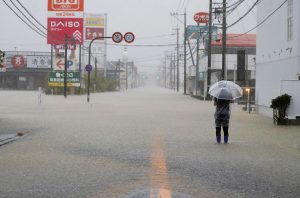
(65, 5)
(61, 28)
(65, 24)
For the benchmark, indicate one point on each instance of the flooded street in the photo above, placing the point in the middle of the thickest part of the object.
(145, 143)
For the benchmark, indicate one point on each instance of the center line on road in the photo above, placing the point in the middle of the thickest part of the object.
(160, 186)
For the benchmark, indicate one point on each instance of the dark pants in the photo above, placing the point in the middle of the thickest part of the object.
(225, 130)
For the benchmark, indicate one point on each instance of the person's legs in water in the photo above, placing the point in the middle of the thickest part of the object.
(226, 135)
(218, 134)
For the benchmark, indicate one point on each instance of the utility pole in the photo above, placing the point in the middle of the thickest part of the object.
(165, 72)
(177, 31)
(119, 66)
(174, 66)
(171, 66)
(224, 75)
(96, 68)
(197, 61)
(66, 66)
(185, 34)
(209, 49)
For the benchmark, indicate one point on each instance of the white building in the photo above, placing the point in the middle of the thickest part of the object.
(278, 55)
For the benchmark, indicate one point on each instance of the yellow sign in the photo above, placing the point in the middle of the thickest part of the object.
(94, 22)
(61, 84)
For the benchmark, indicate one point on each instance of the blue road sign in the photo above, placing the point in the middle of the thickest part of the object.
(88, 68)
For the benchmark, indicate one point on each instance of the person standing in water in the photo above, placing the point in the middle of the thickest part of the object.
(222, 117)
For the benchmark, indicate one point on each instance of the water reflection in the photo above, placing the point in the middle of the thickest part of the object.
(160, 187)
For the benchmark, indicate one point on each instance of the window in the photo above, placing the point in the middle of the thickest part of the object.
(290, 21)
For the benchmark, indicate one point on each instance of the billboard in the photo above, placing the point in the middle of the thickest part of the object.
(59, 28)
(65, 19)
(94, 25)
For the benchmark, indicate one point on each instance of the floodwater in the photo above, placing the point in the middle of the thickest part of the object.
(144, 143)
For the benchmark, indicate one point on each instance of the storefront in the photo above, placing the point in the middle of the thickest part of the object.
(25, 70)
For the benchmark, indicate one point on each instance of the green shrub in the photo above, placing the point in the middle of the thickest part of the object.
(279, 106)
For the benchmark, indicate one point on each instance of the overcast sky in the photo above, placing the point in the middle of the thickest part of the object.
(149, 20)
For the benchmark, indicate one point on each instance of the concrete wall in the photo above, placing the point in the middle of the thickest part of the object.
(277, 58)
(292, 87)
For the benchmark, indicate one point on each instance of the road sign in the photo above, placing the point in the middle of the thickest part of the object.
(58, 28)
(66, 5)
(59, 64)
(117, 37)
(201, 17)
(129, 37)
(88, 68)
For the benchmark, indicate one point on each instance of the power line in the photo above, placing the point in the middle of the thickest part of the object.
(31, 15)
(263, 21)
(27, 18)
(248, 11)
(22, 19)
(154, 45)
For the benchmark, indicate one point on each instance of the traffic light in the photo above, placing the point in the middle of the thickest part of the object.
(2, 56)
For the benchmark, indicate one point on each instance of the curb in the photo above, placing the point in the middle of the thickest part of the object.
(5, 139)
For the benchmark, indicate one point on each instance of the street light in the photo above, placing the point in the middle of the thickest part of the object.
(248, 101)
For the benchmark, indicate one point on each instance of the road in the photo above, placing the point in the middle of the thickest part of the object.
(144, 143)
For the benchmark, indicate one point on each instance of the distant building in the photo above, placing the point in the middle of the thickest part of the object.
(117, 70)
(25, 70)
(240, 62)
(278, 55)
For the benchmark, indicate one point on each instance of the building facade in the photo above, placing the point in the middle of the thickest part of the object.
(278, 55)
(25, 70)
(240, 62)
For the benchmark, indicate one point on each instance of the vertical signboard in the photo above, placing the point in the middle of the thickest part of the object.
(94, 26)
(65, 19)
(58, 28)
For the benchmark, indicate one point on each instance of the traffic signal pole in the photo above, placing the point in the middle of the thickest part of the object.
(89, 63)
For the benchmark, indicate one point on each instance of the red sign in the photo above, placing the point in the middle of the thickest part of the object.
(201, 17)
(69, 46)
(59, 28)
(129, 37)
(65, 5)
(91, 33)
(18, 61)
(117, 37)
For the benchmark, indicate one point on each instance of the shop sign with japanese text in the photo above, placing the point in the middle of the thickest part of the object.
(66, 5)
(38, 61)
(56, 79)
(60, 28)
